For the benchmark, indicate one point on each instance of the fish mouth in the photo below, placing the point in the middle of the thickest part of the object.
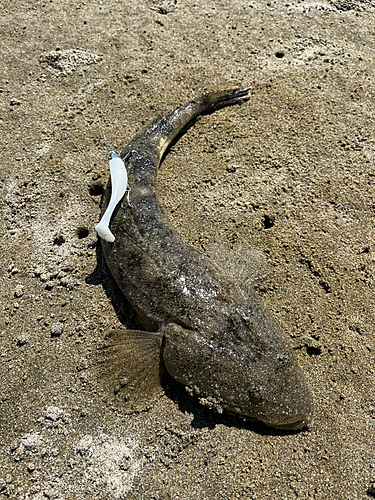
(293, 426)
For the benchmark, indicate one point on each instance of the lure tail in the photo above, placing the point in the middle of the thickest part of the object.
(119, 182)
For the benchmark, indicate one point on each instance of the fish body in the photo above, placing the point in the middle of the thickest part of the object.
(211, 329)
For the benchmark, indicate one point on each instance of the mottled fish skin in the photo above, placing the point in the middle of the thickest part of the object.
(219, 340)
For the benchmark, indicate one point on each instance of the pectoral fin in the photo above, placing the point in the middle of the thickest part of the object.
(131, 368)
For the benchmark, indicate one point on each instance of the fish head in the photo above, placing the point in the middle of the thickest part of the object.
(256, 379)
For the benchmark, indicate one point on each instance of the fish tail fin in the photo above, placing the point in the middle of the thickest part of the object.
(164, 129)
(215, 100)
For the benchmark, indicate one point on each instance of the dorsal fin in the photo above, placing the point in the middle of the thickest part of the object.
(243, 262)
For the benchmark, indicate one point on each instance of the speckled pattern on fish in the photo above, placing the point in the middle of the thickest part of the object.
(211, 328)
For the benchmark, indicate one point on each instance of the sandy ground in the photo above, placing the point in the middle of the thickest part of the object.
(291, 171)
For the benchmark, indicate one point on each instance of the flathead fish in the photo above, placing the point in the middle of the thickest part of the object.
(202, 319)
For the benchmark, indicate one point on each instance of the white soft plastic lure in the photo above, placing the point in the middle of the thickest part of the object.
(119, 183)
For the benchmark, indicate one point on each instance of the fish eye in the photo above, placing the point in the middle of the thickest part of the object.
(256, 393)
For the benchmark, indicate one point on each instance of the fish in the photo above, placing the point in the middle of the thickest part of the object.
(201, 319)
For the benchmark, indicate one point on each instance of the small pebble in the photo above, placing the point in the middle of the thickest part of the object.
(50, 493)
(18, 291)
(32, 442)
(22, 339)
(53, 413)
(84, 445)
(38, 271)
(30, 467)
(64, 281)
(57, 329)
